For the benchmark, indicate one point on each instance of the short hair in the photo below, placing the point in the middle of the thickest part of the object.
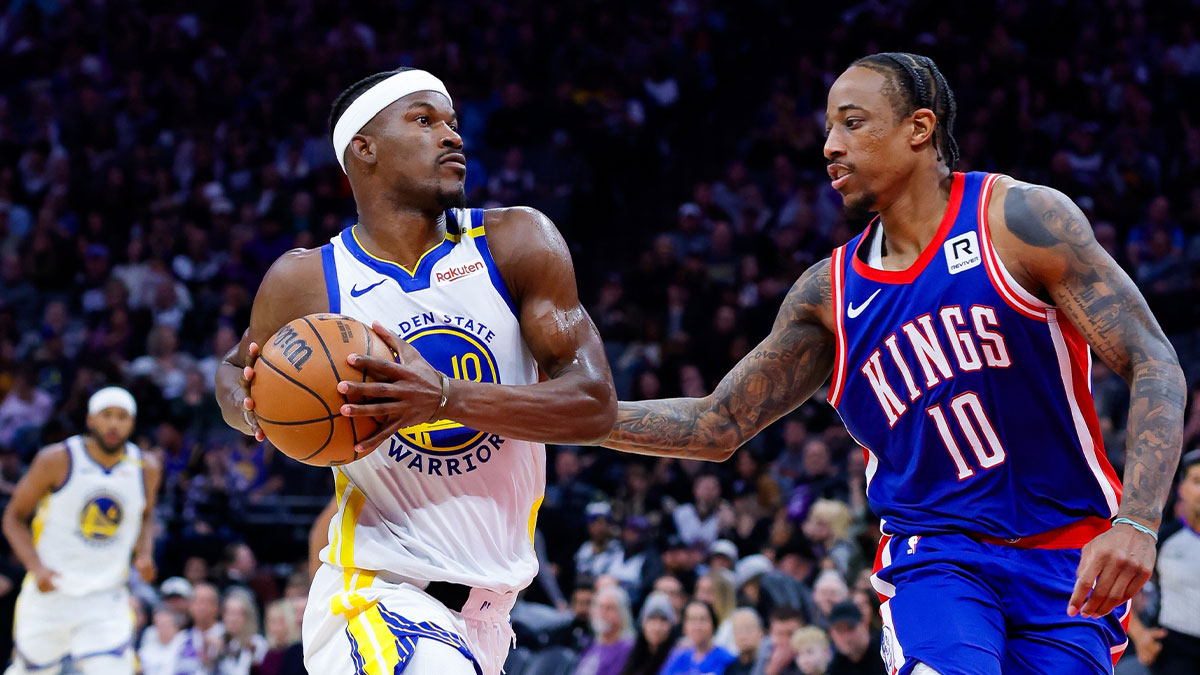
(809, 636)
(786, 613)
(915, 83)
(352, 92)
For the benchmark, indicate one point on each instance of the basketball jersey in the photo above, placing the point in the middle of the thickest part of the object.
(970, 396)
(86, 530)
(441, 501)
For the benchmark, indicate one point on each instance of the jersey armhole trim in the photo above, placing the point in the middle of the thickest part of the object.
(329, 265)
(70, 467)
(1014, 294)
(837, 281)
(481, 244)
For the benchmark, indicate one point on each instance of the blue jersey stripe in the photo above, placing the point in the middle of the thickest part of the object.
(329, 265)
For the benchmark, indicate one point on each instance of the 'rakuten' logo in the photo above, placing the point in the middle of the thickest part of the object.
(460, 272)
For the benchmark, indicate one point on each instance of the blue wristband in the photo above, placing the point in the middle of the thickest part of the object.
(1137, 526)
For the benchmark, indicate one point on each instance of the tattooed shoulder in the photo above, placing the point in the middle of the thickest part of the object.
(1043, 217)
(811, 297)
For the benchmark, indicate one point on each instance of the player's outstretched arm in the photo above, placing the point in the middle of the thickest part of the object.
(1055, 246)
(288, 291)
(772, 380)
(574, 403)
(47, 473)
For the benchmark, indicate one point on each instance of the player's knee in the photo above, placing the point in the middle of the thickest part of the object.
(923, 669)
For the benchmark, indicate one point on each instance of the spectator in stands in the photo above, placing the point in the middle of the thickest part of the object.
(813, 654)
(747, 638)
(700, 522)
(829, 590)
(284, 653)
(242, 647)
(659, 630)
(828, 528)
(24, 410)
(723, 555)
(673, 589)
(716, 588)
(601, 551)
(163, 363)
(700, 655)
(637, 556)
(612, 630)
(176, 594)
(162, 643)
(776, 654)
(857, 647)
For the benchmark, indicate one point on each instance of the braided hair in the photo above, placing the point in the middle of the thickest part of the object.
(355, 90)
(917, 83)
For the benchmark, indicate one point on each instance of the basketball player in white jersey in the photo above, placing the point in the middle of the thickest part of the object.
(91, 498)
(432, 537)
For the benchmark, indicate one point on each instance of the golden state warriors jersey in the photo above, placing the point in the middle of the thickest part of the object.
(86, 530)
(438, 502)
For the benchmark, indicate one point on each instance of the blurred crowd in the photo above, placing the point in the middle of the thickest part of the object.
(155, 158)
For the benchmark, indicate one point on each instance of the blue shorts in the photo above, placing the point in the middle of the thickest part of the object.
(966, 607)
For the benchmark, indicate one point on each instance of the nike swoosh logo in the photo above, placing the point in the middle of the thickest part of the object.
(354, 292)
(853, 312)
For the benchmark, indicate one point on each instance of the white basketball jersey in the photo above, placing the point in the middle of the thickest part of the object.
(438, 502)
(86, 530)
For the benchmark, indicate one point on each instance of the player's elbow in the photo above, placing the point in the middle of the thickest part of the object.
(597, 411)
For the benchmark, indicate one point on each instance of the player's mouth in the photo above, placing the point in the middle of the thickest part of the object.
(839, 174)
(456, 161)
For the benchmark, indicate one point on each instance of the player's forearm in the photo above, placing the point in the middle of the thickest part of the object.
(229, 396)
(1154, 437)
(676, 427)
(574, 408)
(20, 539)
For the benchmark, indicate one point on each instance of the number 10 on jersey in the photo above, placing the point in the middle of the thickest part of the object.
(981, 435)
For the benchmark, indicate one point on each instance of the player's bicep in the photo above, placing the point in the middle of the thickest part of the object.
(1083, 280)
(789, 365)
(287, 292)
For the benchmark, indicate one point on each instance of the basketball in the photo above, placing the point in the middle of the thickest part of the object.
(295, 388)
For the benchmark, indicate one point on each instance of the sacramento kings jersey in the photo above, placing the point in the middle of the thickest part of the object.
(86, 530)
(438, 502)
(971, 397)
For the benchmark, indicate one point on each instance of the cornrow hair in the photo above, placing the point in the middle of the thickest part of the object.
(919, 84)
(352, 92)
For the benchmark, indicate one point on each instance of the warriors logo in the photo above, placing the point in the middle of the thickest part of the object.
(100, 518)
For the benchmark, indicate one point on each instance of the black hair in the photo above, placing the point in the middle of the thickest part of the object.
(352, 92)
(917, 83)
(712, 613)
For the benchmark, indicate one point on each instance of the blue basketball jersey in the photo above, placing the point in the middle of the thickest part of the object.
(970, 396)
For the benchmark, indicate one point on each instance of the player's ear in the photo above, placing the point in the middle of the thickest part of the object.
(363, 147)
(923, 124)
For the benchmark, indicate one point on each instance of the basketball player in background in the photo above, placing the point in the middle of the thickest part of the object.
(956, 327)
(432, 537)
(91, 498)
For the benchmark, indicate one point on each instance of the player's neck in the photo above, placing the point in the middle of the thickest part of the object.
(911, 220)
(105, 459)
(399, 235)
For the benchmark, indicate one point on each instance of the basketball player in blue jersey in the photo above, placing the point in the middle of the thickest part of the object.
(431, 535)
(91, 499)
(957, 329)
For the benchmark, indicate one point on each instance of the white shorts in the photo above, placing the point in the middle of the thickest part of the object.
(94, 631)
(383, 624)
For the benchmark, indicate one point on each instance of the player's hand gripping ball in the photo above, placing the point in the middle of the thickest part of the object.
(295, 391)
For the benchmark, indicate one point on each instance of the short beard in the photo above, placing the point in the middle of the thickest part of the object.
(108, 450)
(858, 208)
(453, 199)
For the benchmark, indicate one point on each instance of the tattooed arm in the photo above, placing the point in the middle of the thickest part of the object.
(1048, 245)
(780, 374)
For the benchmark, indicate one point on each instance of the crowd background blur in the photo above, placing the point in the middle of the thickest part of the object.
(155, 158)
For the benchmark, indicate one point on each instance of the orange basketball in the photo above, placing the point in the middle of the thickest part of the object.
(295, 387)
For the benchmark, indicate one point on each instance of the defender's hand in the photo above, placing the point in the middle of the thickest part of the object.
(250, 427)
(1114, 567)
(405, 392)
(1149, 644)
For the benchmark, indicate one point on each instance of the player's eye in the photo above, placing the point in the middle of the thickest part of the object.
(854, 123)
(423, 119)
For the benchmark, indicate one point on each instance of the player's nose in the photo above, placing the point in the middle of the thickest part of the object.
(834, 147)
(451, 139)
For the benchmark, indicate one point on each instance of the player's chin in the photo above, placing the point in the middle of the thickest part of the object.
(858, 205)
(452, 194)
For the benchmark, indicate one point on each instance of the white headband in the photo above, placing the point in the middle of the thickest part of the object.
(375, 99)
(112, 397)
